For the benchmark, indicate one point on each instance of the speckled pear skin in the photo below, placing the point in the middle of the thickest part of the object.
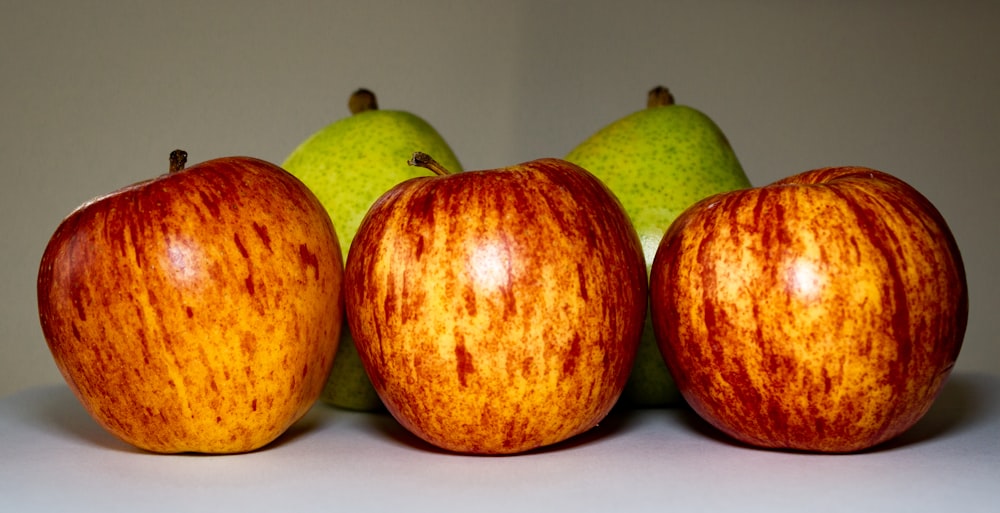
(347, 385)
(659, 161)
(348, 165)
(351, 162)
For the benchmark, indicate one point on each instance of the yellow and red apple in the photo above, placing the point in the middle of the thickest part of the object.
(497, 311)
(823, 312)
(198, 311)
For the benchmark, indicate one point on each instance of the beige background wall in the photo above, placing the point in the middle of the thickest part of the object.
(95, 94)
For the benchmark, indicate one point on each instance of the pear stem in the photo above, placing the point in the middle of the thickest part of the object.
(420, 159)
(659, 96)
(178, 159)
(362, 100)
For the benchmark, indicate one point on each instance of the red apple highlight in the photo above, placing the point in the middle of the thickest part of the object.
(497, 311)
(198, 311)
(821, 313)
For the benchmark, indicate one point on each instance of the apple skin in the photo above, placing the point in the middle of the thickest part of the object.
(497, 311)
(822, 313)
(198, 311)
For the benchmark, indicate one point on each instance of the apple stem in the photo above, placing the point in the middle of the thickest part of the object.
(659, 96)
(420, 159)
(178, 159)
(362, 100)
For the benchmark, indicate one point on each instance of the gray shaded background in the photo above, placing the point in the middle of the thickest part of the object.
(95, 95)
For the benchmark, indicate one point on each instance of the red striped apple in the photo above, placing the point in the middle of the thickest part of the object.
(198, 311)
(497, 311)
(821, 313)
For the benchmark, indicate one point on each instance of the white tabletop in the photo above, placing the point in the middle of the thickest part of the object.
(53, 457)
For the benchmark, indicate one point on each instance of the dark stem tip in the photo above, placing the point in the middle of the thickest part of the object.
(659, 96)
(421, 159)
(178, 159)
(362, 100)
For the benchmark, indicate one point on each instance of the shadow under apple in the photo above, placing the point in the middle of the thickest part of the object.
(614, 423)
(962, 404)
(56, 409)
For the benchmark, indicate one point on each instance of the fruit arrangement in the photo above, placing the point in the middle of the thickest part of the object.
(498, 311)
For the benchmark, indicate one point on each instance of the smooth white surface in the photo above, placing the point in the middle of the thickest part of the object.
(53, 457)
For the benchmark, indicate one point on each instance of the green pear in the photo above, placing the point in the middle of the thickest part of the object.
(348, 165)
(659, 161)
